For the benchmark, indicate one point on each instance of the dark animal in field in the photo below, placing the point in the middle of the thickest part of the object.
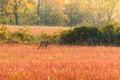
(44, 44)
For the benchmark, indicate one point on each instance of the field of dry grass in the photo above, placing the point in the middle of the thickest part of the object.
(26, 62)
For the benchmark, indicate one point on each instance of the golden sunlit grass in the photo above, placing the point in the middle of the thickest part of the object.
(26, 62)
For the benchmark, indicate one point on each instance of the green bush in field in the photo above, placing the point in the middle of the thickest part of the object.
(117, 36)
(22, 36)
(81, 35)
(67, 37)
(117, 39)
(87, 34)
(108, 31)
(4, 33)
(107, 34)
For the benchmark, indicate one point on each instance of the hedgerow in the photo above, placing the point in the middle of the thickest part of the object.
(108, 34)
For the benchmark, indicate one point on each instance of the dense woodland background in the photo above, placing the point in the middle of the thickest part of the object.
(59, 12)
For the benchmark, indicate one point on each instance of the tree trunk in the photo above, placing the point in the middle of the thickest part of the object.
(38, 11)
(45, 14)
(16, 18)
(15, 12)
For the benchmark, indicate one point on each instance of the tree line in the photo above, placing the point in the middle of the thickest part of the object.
(59, 12)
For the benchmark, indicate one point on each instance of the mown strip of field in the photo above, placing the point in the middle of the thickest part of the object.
(39, 29)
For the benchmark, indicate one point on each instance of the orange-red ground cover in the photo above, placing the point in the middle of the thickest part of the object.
(26, 62)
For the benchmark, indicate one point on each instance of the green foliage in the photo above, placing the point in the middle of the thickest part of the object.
(80, 35)
(58, 12)
(108, 31)
(67, 37)
(32, 19)
(4, 33)
(117, 38)
(108, 34)
(22, 36)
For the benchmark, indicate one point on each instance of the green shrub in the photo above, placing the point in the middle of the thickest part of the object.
(108, 34)
(117, 36)
(4, 34)
(88, 35)
(108, 31)
(22, 36)
(68, 37)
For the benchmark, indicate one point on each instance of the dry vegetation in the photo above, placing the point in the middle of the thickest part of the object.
(58, 62)
(26, 62)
